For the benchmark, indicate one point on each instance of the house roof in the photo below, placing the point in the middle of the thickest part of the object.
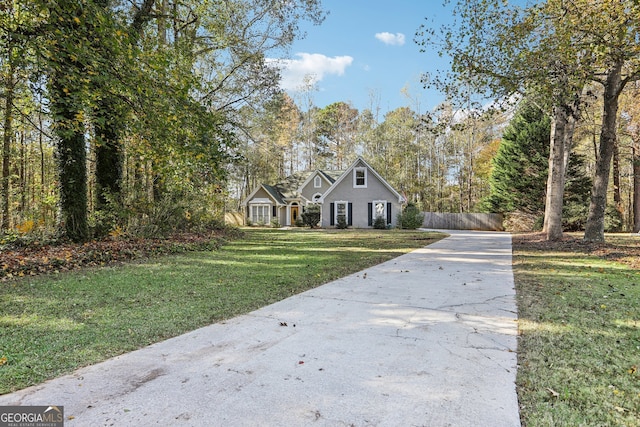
(290, 186)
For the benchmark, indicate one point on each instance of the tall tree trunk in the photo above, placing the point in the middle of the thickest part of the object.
(6, 145)
(66, 92)
(594, 229)
(71, 157)
(636, 186)
(617, 197)
(109, 154)
(108, 122)
(555, 178)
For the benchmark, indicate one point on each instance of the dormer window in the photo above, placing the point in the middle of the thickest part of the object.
(360, 178)
(317, 182)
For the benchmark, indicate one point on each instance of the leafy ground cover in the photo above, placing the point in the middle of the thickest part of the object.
(579, 344)
(54, 323)
(35, 259)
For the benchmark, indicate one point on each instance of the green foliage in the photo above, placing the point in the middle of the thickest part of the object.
(576, 195)
(341, 223)
(311, 216)
(411, 217)
(612, 219)
(518, 179)
(380, 223)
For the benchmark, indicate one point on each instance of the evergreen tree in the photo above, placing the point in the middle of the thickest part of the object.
(518, 179)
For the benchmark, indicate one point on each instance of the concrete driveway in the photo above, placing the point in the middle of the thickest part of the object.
(426, 339)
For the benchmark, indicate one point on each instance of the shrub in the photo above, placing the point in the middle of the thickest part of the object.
(311, 216)
(612, 219)
(411, 217)
(380, 223)
(342, 223)
(574, 216)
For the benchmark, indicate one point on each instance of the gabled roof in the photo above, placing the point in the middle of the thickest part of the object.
(346, 173)
(329, 176)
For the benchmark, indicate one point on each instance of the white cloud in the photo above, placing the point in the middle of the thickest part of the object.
(396, 39)
(312, 66)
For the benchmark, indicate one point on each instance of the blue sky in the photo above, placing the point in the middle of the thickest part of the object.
(367, 47)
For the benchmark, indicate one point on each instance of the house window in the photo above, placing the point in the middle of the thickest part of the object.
(260, 214)
(380, 209)
(360, 178)
(317, 182)
(341, 212)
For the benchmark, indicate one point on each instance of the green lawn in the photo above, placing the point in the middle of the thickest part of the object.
(579, 345)
(52, 325)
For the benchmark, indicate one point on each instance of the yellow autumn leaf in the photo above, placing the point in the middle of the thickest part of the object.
(3, 360)
(632, 370)
(76, 19)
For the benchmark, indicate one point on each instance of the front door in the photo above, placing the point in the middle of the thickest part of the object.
(294, 214)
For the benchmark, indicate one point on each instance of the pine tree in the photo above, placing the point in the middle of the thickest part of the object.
(518, 179)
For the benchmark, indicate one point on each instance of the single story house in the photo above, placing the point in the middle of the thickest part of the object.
(359, 195)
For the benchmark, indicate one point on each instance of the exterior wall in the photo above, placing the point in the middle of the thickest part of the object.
(360, 199)
(263, 195)
(309, 190)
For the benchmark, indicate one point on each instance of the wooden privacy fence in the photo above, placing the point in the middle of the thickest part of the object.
(463, 221)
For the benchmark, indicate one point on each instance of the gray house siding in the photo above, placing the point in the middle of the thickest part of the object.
(309, 190)
(360, 198)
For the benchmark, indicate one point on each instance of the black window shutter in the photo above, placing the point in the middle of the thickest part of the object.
(332, 214)
(370, 214)
(350, 221)
(273, 211)
(388, 213)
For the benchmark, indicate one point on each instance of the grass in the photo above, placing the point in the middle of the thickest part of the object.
(579, 344)
(53, 325)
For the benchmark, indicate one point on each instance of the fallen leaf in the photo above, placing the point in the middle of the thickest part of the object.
(553, 392)
(3, 360)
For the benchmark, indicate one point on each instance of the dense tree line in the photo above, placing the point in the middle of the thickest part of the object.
(122, 115)
(147, 116)
(438, 160)
(555, 52)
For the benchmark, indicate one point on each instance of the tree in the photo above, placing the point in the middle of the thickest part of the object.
(597, 42)
(498, 50)
(520, 165)
(337, 130)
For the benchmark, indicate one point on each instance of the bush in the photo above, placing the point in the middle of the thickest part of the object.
(380, 223)
(612, 219)
(342, 223)
(410, 218)
(311, 216)
(574, 216)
